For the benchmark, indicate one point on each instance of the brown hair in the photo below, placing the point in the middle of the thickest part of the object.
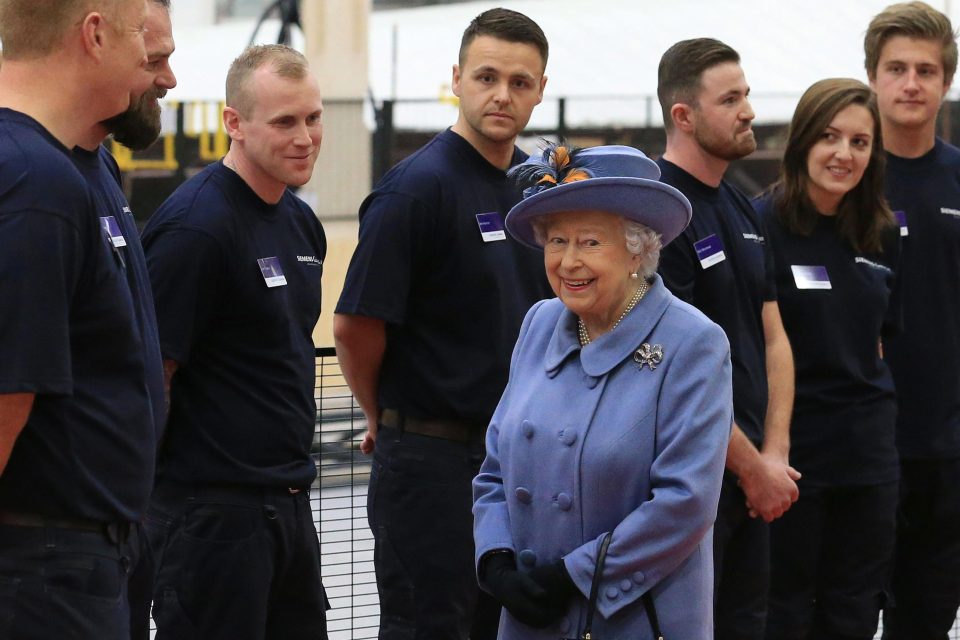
(33, 29)
(863, 213)
(507, 25)
(681, 71)
(914, 20)
(284, 61)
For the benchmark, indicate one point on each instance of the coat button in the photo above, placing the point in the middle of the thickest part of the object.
(567, 436)
(526, 428)
(638, 577)
(625, 585)
(613, 593)
(523, 495)
(528, 558)
(564, 501)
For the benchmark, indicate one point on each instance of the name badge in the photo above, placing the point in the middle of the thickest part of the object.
(110, 226)
(810, 277)
(902, 221)
(491, 226)
(709, 251)
(272, 272)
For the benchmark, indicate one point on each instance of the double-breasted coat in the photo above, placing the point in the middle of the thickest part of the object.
(595, 440)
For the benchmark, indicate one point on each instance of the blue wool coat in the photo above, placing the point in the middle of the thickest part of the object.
(588, 441)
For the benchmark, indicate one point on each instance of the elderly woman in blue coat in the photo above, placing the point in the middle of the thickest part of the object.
(614, 422)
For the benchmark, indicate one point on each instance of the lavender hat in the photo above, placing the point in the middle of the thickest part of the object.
(617, 179)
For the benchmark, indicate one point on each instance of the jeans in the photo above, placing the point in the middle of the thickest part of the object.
(64, 583)
(419, 507)
(237, 563)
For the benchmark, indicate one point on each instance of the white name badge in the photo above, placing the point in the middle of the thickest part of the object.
(810, 277)
(901, 217)
(109, 224)
(272, 272)
(709, 251)
(491, 226)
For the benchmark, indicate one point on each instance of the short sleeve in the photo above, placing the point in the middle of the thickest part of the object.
(397, 234)
(41, 259)
(678, 268)
(186, 272)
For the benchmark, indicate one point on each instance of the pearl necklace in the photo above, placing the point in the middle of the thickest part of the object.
(641, 291)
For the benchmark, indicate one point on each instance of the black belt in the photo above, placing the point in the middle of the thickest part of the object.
(456, 430)
(116, 532)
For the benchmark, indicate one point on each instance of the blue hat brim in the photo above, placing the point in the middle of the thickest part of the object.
(650, 202)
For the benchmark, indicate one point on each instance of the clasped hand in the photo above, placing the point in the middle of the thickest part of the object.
(537, 598)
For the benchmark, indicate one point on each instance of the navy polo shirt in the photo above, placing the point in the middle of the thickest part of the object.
(452, 303)
(237, 286)
(844, 411)
(71, 334)
(731, 288)
(925, 357)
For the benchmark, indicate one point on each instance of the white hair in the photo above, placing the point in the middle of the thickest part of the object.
(641, 241)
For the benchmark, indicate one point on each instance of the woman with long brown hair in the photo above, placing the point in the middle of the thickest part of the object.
(835, 245)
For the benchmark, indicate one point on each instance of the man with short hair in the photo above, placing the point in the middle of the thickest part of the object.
(235, 260)
(430, 311)
(911, 56)
(78, 418)
(137, 128)
(722, 265)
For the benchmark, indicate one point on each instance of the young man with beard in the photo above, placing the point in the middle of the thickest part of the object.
(235, 260)
(78, 385)
(721, 265)
(911, 56)
(430, 311)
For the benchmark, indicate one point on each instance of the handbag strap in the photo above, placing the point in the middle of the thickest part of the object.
(647, 598)
(652, 615)
(595, 584)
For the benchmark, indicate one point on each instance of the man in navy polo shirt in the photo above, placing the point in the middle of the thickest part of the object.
(911, 56)
(235, 260)
(78, 419)
(430, 311)
(137, 128)
(721, 264)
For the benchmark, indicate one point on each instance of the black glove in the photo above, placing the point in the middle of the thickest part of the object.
(518, 593)
(556, 581)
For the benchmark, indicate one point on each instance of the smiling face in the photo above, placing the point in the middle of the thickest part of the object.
(139, 126)
(723, 115)
(836, 162)
(910, 83)
(281, 138)
(588, 265)
(122, 71)
(499, 84)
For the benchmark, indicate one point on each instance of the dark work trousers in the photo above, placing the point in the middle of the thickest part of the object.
(831, 556)
(63, 583)
(926, 574)
(420, 511)
(235, 563)
(741, 556)
(140, 589)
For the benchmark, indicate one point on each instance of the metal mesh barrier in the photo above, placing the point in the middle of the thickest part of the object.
(340, 511)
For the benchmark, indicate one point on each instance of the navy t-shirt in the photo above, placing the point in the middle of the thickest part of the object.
(925, 357)
(452, 303)
(71, 334)
(237, 286)
(844, 411)
(722, 265)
